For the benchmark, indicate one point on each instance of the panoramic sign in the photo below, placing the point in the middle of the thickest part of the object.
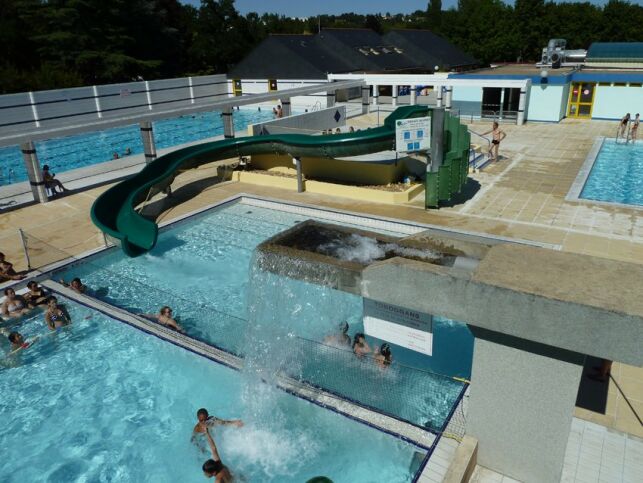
(413, 134)
(399, 326)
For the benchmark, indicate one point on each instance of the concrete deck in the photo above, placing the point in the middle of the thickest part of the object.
(522, 196)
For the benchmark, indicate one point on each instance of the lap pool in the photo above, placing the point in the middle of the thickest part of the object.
(102, 401)
(64, 154)
(204, 270)
(617, 174)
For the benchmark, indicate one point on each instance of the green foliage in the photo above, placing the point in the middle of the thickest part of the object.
(64, 43)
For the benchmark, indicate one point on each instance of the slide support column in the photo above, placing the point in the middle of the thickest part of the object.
(147, 136)
(34, 172)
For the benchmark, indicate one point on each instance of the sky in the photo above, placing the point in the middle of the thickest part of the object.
(306, 8)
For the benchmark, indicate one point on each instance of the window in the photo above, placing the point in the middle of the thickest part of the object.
(605, 84)
(272, 85)
(635, 84)
(619, 84)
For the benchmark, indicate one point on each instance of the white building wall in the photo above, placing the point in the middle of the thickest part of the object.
(298, 104)
(547, 102)
(467, 100)
(613, 102)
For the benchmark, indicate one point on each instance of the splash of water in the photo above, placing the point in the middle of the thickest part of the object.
(363, 249)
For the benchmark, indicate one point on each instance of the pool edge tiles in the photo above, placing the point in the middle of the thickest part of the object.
(392, 426)
(580, 182)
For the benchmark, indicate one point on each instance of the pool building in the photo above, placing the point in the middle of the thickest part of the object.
(352, 277)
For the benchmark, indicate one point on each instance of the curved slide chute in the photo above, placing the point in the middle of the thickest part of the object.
(114, 211)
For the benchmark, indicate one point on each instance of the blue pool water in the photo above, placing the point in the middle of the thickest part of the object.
(203, 270)
(64, 154)
(617, 174)
(101, 401)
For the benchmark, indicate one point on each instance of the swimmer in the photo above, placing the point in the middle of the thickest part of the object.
(383, 356)
(76, 285)
(55, 317)
(338, 131)
(623, 125)
(497, 135)
(18, 342)
(360, 346)
(164, 317)
(214, 467)
(340, 339)
(13, 305)
(210, 421)
(36, 295)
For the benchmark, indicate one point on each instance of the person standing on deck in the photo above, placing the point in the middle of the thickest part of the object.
(635, 126)
(497, 136)
(623, 127)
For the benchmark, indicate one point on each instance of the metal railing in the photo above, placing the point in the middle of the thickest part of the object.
(488, 141)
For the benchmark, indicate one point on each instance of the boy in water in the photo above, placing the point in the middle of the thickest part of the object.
(76, 285)
(214, 467)
(18, 342)
(205, 420)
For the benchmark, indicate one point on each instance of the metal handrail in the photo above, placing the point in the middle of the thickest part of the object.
(486, 139)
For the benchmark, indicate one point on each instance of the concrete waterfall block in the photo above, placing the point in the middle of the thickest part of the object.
(521, 406)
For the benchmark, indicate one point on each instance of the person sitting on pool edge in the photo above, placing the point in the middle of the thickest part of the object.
(340, 339)
(6, 270)
(360, 346)
(51, 182)
(36, 295)
(214, 467)
(13, 305)
(55, 317)
(164, 317)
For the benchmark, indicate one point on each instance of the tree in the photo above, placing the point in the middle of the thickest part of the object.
(435, 15)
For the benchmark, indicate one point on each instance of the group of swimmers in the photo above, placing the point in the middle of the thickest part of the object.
(15, 306)
(213, 467)
(326, 132)
(634, 129)
(382, 355)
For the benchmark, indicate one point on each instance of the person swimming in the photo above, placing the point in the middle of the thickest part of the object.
(36, 294)
(13, 305)
(360, 346)
(339, 339)
(214, 467)
(164, 317)
(17, 342)
(204, 420)
(383, 356)
(55, 317)
(76, 285)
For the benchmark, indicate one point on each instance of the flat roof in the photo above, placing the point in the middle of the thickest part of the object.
(519, 69)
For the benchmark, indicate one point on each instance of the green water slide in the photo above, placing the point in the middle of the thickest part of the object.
(114, 212)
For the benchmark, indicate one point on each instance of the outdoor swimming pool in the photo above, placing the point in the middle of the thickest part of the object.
(617, 174)
(203, 270)
(64, 154)
(102, 401)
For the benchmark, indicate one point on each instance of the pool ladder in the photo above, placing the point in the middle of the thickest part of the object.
(627, 135)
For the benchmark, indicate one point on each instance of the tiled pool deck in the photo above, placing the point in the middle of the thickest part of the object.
(522, 196)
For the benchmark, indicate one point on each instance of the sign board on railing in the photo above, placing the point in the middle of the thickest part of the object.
(399, 326)
(412, 135)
